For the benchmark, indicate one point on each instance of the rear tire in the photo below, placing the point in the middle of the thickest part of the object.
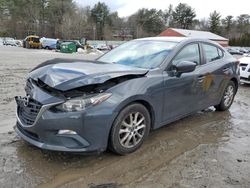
(227, 98)
(129, 129)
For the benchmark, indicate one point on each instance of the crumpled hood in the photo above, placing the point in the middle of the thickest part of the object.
(66, 76)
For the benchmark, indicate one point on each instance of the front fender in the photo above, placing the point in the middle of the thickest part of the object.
(144, 100)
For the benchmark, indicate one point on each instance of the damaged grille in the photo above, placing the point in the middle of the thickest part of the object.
(27, 109)
(28, 86)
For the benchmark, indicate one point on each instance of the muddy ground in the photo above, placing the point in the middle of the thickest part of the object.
(207, 149)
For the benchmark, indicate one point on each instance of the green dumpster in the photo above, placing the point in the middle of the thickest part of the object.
(68, 47)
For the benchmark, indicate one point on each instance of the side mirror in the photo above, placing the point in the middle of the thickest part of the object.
(185, 67)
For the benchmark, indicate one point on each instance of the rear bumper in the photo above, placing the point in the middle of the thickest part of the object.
(33, 44)
(245, 79)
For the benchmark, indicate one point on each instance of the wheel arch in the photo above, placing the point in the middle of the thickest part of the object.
(113, 142)
(149, 107)
(235, 83)
(143, 102)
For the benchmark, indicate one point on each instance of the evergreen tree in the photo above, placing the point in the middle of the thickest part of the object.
(214, 21)
(183, 16)
(99, 14)
(228, 24)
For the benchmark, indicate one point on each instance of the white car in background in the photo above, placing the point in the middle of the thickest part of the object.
(1, 41)
(48, 43)
(245, 69)
(9, 42)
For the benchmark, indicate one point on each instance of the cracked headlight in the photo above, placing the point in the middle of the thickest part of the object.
(81, 103)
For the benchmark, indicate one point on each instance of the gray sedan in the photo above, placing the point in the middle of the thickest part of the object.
(114, 102)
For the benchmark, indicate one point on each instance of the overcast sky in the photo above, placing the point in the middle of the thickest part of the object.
(202, 8)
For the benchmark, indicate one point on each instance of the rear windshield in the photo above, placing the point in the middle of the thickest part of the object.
(34, 39)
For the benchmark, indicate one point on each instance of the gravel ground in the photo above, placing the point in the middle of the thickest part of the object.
(207, 149)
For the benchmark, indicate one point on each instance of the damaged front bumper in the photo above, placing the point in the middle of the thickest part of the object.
(39, 125)
(64, 140)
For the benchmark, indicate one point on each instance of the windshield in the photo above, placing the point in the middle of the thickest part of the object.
(140, 53)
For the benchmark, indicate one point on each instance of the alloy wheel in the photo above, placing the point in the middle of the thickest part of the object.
(229, 95)
(132, 130)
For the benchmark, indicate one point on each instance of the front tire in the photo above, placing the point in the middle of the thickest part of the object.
(227, 98)
(130, 129)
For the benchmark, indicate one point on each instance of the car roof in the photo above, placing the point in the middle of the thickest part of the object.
(179, 40)
(35, 36)
(169, 39)
(9, 38)
(175, 39)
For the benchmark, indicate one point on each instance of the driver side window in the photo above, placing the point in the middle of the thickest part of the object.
(190, 52)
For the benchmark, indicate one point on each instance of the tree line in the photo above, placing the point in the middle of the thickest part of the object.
(68, 20)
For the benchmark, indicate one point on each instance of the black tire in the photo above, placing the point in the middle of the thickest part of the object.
(224, 104)
(116, 143)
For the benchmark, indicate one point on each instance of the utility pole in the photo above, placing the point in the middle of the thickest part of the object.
(94, 31)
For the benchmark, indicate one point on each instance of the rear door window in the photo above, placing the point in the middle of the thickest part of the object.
(212, 53)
